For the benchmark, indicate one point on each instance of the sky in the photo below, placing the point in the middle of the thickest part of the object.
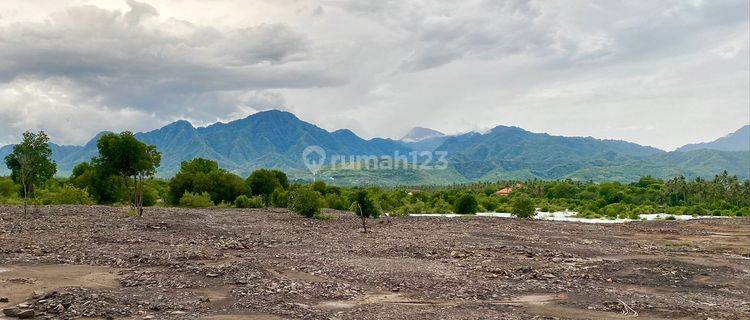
(659, 73)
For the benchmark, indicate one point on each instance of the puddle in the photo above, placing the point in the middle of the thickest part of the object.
(539, 299)
(377, 298)
(568, 216)
(546, 305)
(18, 283)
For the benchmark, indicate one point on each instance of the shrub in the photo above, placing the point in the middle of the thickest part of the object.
(73, 195)
(320, 187)
(244, 201)
(150, 196)
(335, 201)
(195, 200)
(279, 198)
(64, 195)
(466, 204)
(8, 188)
(523, 207)
(305, 202)
(490, 203)
(441, 206)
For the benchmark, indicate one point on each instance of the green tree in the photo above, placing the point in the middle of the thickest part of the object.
(466, 204)
(305, 201)
(364, 207)
(124, 155)
(263, 182)
(31, 163)
(523, 207)
(202, 175)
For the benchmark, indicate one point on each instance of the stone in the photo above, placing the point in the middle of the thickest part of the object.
(3, 300)
(26, 314)
(11, 312)
(59, 308)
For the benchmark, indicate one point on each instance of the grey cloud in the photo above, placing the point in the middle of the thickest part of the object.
(137, 60)
(561, 35)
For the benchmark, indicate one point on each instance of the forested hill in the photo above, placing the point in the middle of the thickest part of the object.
(276, 139)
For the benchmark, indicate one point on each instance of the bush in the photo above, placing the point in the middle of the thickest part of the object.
(195, 200)
(8, 188)
(244, 201)
(335, 201)
(523, 207)
(441, 206)
(279, 199)
(305, 202)
(466, 204)
(64, 195)
(490, 203)
(150, 196)
(73, 195)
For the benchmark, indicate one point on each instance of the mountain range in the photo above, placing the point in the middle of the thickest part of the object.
(277, 139)
(736, 141)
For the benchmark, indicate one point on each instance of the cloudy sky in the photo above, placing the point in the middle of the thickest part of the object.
(660, 73)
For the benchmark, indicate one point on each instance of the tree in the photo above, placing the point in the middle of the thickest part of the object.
(305, 201)
(202, 175)
(466, 204)
(263, 182)
(523, 207)
(124, 155)
(31, 163)
(364, 207)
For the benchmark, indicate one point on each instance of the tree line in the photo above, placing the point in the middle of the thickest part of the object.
(123, 173)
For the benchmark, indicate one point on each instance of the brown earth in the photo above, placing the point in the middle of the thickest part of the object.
(96, 262)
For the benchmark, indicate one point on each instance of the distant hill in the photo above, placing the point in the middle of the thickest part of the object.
(423, 139)
(736, 141)
(420, 133)
(276, 139)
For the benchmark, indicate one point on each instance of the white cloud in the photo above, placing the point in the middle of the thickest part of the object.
(662, 73)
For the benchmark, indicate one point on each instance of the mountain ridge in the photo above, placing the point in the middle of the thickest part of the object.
(276, 139)
(735, 141)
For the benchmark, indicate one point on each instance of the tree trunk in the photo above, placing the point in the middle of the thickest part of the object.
(25, 198)
(364, 219)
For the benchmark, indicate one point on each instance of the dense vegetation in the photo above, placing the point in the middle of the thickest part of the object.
(123, 173)
(275, 139)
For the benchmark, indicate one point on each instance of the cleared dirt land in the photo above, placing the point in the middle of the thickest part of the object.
(96, 262)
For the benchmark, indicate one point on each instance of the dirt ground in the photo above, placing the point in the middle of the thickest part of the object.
(96, 262)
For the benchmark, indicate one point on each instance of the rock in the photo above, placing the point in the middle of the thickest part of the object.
(3, 300)
(11, 312)
(548, 276)
(212, 275)
(59, 308)
(24, 305)
(26, 314)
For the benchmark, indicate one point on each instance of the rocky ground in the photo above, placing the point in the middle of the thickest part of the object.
(96, 262)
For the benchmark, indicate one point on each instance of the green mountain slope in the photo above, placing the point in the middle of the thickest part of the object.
(276, 139)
